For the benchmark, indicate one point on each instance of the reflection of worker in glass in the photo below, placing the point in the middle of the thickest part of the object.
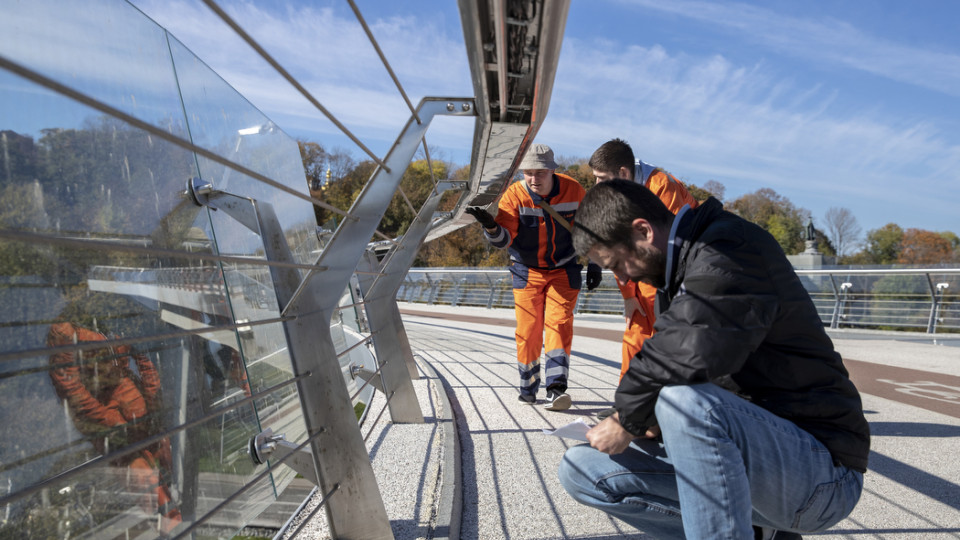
(114, 406)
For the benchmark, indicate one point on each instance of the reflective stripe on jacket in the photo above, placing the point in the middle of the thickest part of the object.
(531, 236)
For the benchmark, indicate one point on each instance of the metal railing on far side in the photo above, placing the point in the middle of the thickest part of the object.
(913, 299)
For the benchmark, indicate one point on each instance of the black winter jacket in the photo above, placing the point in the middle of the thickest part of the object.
(734, 310)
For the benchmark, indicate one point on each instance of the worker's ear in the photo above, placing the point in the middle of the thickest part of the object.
(642, 230)
(625, 173)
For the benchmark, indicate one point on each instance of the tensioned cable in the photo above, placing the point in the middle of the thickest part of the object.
(363, 341)
(368, 381)
(396, 81)
(91, 345)
(43, 80)
(377, 419)
(383, 58)
(286, 75)
(102, 245)
(136, 447)
(313, 512)
(236, 495)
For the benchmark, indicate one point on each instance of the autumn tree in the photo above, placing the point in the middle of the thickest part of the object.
(776, 214)
(464, 247)
(924, 247)
(580, 172)
(842, 229)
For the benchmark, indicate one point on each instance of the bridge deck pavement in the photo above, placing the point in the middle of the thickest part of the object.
(500, 480)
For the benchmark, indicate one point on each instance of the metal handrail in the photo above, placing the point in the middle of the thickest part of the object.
(936, 308)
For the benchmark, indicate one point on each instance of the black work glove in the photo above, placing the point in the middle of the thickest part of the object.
(482, 216)
(594, 276)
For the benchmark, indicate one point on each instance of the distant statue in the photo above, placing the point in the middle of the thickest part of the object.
(810, 238)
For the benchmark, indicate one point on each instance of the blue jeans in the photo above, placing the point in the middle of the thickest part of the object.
(731, 464)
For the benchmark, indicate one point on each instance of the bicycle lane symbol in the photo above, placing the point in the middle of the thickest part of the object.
(927, 389)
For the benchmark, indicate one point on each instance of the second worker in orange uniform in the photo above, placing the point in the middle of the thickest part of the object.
(533, 223)
(615, 159)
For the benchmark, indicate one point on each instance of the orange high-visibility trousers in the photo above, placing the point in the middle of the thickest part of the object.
(544, 310)
(640, 327)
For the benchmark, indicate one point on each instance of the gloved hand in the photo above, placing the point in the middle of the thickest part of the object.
(482, 216)
(594, 276)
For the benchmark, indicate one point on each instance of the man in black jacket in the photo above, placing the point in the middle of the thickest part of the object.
(737, 418)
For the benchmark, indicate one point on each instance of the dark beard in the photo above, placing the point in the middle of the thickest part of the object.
(654, 266)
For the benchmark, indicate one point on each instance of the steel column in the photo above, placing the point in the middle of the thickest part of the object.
(356, 510)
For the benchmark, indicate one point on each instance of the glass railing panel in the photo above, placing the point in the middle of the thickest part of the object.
(98, 245)
(222, 121)
(105, 49)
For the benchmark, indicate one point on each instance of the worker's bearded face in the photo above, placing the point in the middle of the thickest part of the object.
(639, 262)
(648, 266)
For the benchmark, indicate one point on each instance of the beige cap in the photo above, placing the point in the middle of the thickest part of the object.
(540, 156)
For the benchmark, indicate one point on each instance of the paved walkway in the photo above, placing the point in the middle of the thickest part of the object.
(480, 467)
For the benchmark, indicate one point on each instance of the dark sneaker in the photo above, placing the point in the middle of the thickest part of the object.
(606, 412)
(530, 400)
(557, 401)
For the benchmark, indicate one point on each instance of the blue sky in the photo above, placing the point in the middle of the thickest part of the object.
(831, 104)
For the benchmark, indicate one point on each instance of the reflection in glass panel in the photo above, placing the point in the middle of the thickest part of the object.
(103, 48)
(223, 121)
(113, 336)
(110, 349)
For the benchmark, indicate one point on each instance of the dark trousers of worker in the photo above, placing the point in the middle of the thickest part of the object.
(544, 302)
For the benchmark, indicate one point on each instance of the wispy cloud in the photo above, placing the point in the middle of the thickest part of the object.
(824, 40)
(330, 55)
(705, 118)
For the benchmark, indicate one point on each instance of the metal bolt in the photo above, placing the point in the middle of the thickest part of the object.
(465, 107)
(450, 107)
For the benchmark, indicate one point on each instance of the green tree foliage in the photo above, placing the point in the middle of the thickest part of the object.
(776, 214)
(323, 169)
(882, 246)
(416, 186)
(954, 242)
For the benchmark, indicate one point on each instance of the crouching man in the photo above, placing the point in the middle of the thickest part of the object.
(737, 419)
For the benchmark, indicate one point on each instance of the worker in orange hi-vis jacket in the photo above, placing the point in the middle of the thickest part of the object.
(109, 402)
(615, 159)
(533, 223)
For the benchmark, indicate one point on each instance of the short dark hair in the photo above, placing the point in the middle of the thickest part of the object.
(607, 211)
(612, 155)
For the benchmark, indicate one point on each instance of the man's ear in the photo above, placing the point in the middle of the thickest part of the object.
(625, 173)
(642, 230)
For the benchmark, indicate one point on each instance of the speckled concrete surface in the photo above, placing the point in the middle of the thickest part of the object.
(508, 486)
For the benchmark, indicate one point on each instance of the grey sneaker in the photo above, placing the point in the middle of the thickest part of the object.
(529, 400)
(557, 401)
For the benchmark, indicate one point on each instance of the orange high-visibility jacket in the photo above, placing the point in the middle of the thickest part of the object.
(532, 237)
(674, 195)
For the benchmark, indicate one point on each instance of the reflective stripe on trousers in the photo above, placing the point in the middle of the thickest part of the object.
(544, 312)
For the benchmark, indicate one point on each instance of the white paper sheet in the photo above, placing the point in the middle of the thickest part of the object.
(574, 430)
